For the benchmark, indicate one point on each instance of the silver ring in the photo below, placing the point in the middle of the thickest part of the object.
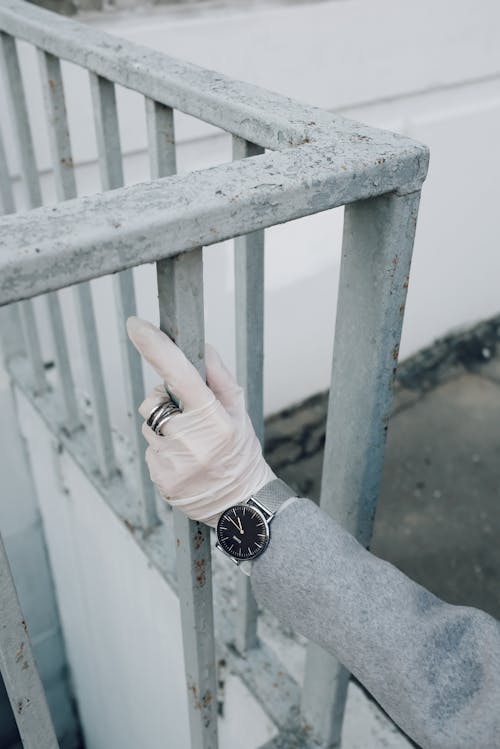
(162, 413)
(162, 409)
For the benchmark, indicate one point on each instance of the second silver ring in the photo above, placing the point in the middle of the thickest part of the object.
(161, 414)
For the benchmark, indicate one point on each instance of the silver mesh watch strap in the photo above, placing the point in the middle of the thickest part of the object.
(273, 494)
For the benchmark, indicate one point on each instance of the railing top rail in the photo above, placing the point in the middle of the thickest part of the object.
(52, 247)
(268, 119)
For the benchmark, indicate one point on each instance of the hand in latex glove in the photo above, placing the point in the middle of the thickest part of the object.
(209, 457)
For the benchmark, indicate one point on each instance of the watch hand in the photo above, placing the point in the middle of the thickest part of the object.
(235, 524)
(241, 527)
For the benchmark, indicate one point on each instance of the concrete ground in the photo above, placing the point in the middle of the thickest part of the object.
(438, 515)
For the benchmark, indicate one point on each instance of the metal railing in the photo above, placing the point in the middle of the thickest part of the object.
(314, 161)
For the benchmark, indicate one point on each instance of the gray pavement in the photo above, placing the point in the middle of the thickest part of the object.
(438, 515)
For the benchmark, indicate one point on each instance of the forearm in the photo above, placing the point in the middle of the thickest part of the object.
(433, 667)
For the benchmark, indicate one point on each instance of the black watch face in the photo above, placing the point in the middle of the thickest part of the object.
(242, 532)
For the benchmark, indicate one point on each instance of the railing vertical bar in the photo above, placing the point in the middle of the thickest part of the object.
(249, 298)
(161, 139)
(376, 255)
(18, 668)
(180, 290)
(87, 326)
(14, 86)
(162, 162)
(9, 60)
(28, 323)
(107, 131)
(111, 171)
(60, 146)
(6, 192)
(11, 333)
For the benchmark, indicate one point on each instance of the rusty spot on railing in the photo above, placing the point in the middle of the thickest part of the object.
(129, 526)
(205, 700)
(19, 652)
(194, 695)
(200, 572)
(198, 538)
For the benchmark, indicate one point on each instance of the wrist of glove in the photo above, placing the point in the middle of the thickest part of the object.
(208, 457)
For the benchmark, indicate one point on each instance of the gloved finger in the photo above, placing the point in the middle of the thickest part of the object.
(221, 382)
(155, 441)
(157, 468)
(181, 378)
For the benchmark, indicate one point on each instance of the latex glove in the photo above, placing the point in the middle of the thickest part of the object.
(209, 457)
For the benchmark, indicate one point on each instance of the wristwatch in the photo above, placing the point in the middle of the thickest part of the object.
(243, 531)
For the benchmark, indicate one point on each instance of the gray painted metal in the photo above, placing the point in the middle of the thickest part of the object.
(376, 255)
(71, 417)
(6, 194)
(19, 111)
(339, 162)
(162, 163)
(18, 668)
(11, 336)
(60, 147)
(161, 139)
(77, 240)
(135, 392)
(249, 309)
(11, 71)
(39, 382)
(88, 335)
(111, 170)
(180, 292)
(107, 132)
(58, 130)
(249, 290)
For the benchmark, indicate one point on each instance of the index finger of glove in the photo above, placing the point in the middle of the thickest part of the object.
(180, 376)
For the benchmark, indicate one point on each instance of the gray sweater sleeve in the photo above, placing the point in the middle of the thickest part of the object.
(433, 667)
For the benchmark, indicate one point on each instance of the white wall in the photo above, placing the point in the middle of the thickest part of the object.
(431, 71)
